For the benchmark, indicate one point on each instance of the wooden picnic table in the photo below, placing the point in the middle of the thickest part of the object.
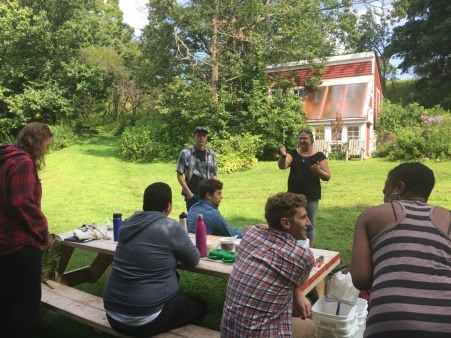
(105, 249)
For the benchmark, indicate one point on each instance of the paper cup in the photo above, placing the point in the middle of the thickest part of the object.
(227, 243)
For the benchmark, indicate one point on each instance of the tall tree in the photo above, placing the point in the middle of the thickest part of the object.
(46, 72)
(216, 40)
(424, 44)
(371, 30)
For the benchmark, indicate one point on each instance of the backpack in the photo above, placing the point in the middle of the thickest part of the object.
(51, 258)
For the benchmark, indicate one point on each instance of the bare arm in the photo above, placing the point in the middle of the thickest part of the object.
(361, 260)
(285, 159)
(322, 170)
(301, 305)
(184, 185)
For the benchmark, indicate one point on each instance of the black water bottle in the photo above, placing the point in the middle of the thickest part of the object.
(117, 222)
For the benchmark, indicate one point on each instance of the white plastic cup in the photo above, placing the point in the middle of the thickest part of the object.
(227, 243)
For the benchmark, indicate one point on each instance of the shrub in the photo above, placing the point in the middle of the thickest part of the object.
(63, 136)
(136, 144)
(237, 152)
(413, 133)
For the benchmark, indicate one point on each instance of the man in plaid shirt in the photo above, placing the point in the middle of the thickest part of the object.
(23, 230)
(263, 297)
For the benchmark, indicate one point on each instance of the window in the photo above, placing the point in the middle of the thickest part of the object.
(299, 92)
(354, 99)
(353, 133)
(319, 133)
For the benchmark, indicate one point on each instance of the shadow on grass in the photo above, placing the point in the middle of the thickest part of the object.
(101, 146)
(238, 221)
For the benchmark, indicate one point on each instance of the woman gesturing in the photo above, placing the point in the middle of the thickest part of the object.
(307, 168)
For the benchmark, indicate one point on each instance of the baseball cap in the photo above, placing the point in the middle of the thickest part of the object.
(199, 128)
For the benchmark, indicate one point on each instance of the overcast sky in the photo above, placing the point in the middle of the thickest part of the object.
(134, 13)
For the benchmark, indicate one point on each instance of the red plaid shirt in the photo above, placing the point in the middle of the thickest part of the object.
(259, 297)
(21, 219)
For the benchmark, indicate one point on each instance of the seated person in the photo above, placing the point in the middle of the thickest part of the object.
(210, 196)
(402, 253)
(141, 295)
(263, 296)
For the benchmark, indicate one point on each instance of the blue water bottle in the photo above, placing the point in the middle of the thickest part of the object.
(117, 222)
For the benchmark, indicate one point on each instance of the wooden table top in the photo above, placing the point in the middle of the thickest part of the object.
(211, 267)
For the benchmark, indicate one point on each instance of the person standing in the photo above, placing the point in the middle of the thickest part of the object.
(307, 168)
(23, 230)
(195, 164)
(263, 296)
(402, 253)
(141, 296)
(210, 194)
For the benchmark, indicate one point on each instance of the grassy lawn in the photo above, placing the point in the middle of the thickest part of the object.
(85, 183)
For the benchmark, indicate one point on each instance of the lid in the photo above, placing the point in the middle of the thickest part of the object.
(183, 215)
(117, 214)
(200, 216)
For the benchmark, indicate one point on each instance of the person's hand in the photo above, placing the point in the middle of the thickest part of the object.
(301, 305)
(283, 151)
(316, 168)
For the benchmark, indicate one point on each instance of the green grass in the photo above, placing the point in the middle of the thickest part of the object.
(85, 183)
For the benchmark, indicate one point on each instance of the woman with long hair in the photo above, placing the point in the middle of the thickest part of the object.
(23, 230)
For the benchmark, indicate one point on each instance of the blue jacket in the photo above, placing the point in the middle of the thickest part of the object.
(215, 222)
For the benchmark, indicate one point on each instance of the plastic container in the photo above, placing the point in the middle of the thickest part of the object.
(362, 313)
(201, 235)
(117, 223)
(227, 243)
(332, 325)
(183, 221)
(327, 332)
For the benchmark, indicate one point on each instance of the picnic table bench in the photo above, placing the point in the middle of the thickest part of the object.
(88, 309)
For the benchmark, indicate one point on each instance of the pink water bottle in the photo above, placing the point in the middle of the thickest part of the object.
(201, 236)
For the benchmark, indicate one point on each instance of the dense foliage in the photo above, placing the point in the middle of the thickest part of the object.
(75, 64)
(413, 133)
(424, 44)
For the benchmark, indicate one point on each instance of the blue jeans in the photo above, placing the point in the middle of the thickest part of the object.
(312, 211)
(178, 311)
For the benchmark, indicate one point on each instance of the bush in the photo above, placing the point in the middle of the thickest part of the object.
(136, 144)
(237, 152)
(63, 136)
(413, 133)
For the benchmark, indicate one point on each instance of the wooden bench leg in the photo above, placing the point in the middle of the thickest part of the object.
(319, 290)
(90, 273)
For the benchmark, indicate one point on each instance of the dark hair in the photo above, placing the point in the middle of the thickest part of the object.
(418, 179)
(209, 186)
(31, 139)
(307, 131)
(157, 196)
(283, 204)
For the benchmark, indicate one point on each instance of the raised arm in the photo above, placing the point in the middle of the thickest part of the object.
(285, 158)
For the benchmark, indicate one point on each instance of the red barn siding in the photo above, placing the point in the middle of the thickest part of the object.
(335, 72)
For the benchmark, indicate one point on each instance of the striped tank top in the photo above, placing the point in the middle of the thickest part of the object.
(411, 292)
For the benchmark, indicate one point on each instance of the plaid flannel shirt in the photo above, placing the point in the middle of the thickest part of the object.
(259, 297)
(21, 219)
